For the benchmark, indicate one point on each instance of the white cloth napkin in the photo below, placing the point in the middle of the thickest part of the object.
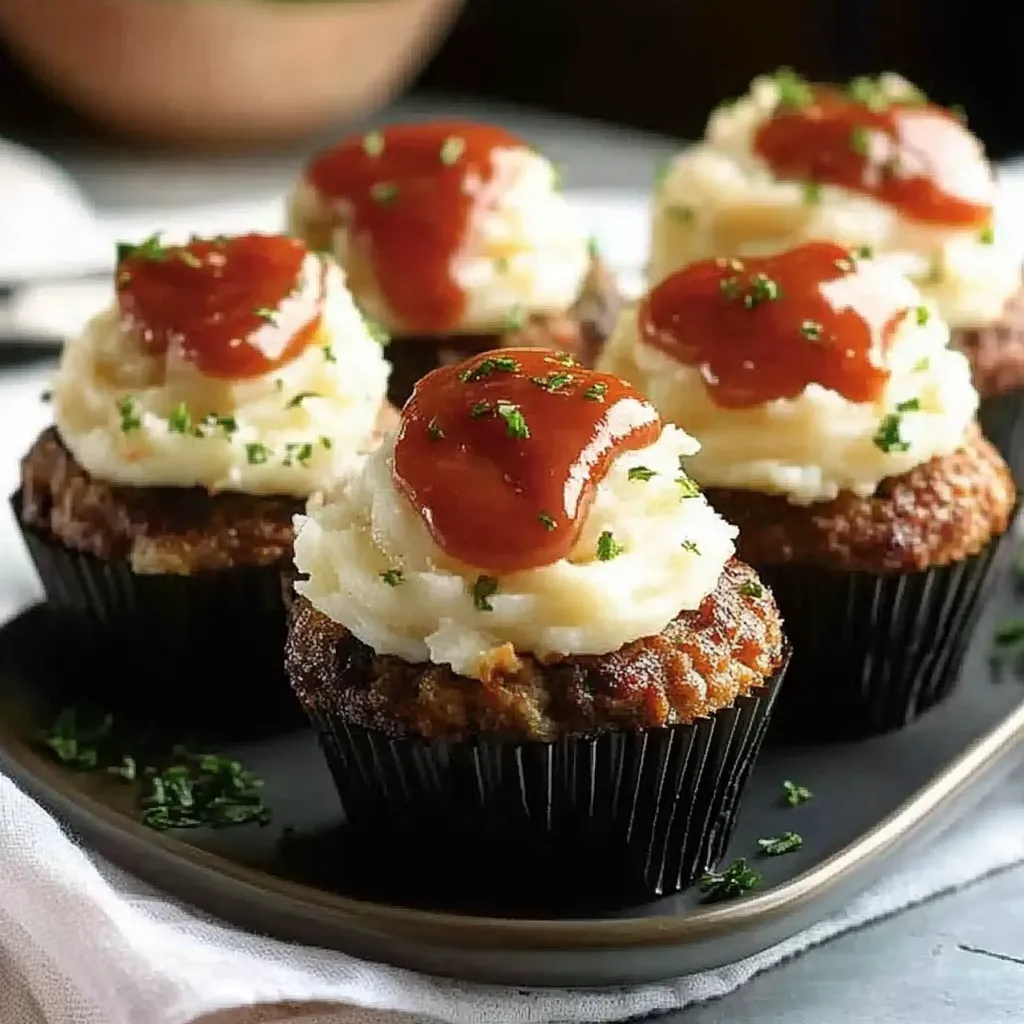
(82, 943)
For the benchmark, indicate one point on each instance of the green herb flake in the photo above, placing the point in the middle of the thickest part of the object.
(812, 193)
(596, 391)
(266, 314)
(689, 545)
(776, 846)
(297, 451)
(593, 250)
(554, 381)
(326, 442)
(434, 431)
(794, 794)
(860, 140)
(862, 252)
(492, 364)
(479, 409)
(751, 588)
(484, 589)
(794, 91)
(373, 144)
(811, 330)
(987, 236)
(190, 259)
(296, 400)
(737, 879)
(131, 417)
(762, 289)
(451, 149)
(376, 331)
(329, 356)
(514, 420)
(921, 365)
(1009, 633)
(640, 473)
(922, 314)
(256, 454)
(548, 522)
(150, 248)
(392, 577)
(78, 739)
(515, 320)
(180, 421)
(686, 482)
(607, 548)
(384, 192)
(868, 92)
(887, 437)
(910, 405)
(730, 288)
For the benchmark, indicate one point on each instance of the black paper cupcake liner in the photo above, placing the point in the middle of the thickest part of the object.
(196, 650)
(657, 804)
(872, 653)
(1001, 418)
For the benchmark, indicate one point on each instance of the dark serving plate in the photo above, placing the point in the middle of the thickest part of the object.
(303, 879)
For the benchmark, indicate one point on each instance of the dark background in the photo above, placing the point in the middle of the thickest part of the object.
(663, 64)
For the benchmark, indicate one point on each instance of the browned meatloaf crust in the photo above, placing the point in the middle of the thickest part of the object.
(580, 331)
(996, 351)
(702, 661)
(178, 530)
(938, 513)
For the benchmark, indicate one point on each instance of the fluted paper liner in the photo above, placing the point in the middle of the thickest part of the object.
(206, 648)
(659, 803)
(873, 652)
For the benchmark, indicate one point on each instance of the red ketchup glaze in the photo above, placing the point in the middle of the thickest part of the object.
(411, 195)
(764, 328)
(909, 155)
(501, 454)
(232, 307)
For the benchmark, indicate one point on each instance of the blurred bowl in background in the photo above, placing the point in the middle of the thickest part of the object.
(224, 72)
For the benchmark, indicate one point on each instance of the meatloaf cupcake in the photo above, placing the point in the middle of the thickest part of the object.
(456, 239)
(522, 622)
(837, 431)
(870, 164)
(231, 379)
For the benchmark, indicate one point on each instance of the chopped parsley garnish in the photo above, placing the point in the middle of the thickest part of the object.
(180, 790)
(548, 522)
(795, 794)
(554, 381)
(515, 319)
(434, 431)
(329, 356)
(812, 193)
(811, 330)
(987, 235)
(451, 149)
(503, 364)
(131, 418)
(686, 482)
(750, 588)
(683, 214)
(738, 878)
(373, 144)
(562, 358)
(189, 259)
(384, 192)
(794, 91)
(868, 91)
(776, 846)
(607, 548)
(729, 287)
(888, 437)
(688, 545)
(148, 249)
(392, 577)
(279, 384)
(921, 365)
(297, 451)
(180, 421)
(484, 589)
(256, 454)
(862, 252)
(923, 315)
(478, 409)
(762, 289)
(860, 140)
(326, 442)
(514, 420)
(296, 400)
(640, 473)
(266, 314)
(596, 391)
(376, 330)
